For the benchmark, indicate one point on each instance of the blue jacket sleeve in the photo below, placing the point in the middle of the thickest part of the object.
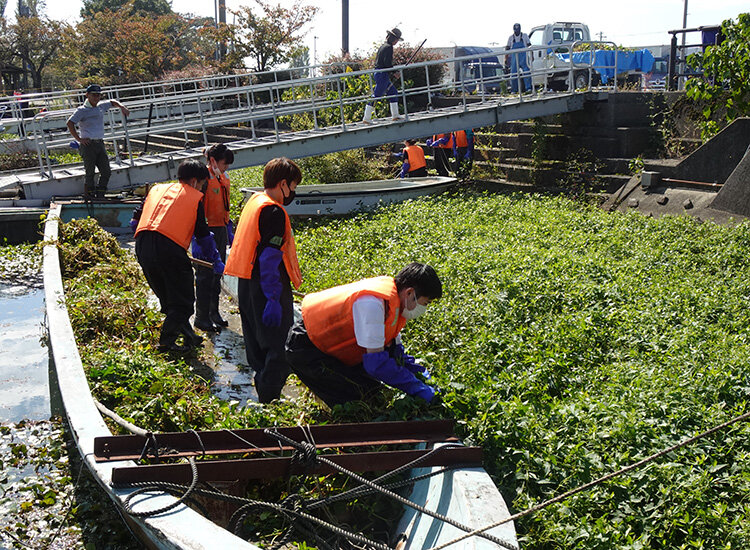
(404, 170)
(383, 367)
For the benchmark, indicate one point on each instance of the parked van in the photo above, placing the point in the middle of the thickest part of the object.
(485, 69)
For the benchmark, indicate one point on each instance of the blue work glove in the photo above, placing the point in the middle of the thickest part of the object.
(383, 367)
(404, 170)
(230, 233)
(408, 361)
(205, 249)
(74, 144)
(429, 143)
(133, 223)
(270, 284)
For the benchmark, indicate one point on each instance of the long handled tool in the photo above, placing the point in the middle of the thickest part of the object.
(415, 52)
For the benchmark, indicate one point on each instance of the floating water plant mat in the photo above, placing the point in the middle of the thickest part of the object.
(569, 343)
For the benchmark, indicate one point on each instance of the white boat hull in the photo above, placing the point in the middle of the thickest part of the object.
(346, 198)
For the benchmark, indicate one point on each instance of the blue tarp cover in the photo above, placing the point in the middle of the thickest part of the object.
(604, 61)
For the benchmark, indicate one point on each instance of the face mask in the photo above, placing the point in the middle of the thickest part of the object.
(418, 310)
(289, 198)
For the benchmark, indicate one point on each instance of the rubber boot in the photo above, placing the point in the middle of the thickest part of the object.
(214, 315)
(394, 111)
(368, 114)
(170, 331)
(191, 338)
(202, 321)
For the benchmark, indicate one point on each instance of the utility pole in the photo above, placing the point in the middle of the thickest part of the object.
(220, 17)
(344, 27)
(601, 36)
(683, 63)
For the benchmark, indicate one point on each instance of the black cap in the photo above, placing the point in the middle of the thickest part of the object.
(94, 89)
(395, 31)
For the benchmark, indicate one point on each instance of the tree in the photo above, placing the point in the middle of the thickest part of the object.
(267, 34)
(34, 41)
(155, 7)
(120, 46)
(724, 89)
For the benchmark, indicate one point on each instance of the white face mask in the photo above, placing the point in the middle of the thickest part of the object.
(418, 310)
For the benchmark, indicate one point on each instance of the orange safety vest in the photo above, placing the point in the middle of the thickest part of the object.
(448, 144)
(247, 238)
(329, 319)
(461, 139)
(170, 209)
(416, 157)
(216, 202)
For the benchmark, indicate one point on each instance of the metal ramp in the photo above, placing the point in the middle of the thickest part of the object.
(275, 105)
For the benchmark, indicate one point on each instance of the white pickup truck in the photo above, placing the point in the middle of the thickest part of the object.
(561, 33)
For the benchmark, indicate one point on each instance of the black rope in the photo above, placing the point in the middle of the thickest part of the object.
(297, 445)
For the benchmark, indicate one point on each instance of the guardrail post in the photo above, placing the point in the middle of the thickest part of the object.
(403, 94)
(341, 102)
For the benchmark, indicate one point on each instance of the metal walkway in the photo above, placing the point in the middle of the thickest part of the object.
(280, 104)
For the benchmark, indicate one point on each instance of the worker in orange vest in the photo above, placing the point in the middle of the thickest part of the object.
(442, 148)
(463, 152)
(264, 258)
(216, 204)
(348, 339)
(415, 165)
(164, 225)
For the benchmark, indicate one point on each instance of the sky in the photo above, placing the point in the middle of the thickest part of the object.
(471, 22)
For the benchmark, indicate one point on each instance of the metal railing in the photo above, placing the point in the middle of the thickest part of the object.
(328, 102)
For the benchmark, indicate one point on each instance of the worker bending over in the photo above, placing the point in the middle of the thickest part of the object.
(415, 165)
(442, 147)
(348, 340)
(264, 258)
(216, 204)
(463, 152)
(170, 216)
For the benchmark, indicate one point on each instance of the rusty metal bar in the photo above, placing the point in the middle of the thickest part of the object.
(268, 468)
(690, 182)
(224, 442)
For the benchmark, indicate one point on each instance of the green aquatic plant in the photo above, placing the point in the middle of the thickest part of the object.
(569, 343)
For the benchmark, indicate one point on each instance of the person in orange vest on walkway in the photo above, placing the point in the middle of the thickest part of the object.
(264, 258)
(348, 340)
(170, 216)
(415, 165)
(442, 148)
(216, 205)
(463, 152)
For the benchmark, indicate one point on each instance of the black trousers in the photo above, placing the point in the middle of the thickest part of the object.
(264, 345)
(170, 275)
(462, 166)
(418, 173)
(327, 377)
(208, 283)
(442, 160)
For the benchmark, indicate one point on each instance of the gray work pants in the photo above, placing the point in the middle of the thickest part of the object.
(94, 155)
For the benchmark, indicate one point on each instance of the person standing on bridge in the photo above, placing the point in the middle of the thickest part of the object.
(90, 134)
(216, 205)
(348, 340)
(170, 216)
(383, 83)
(518, 64)
(415, 165)
(264, 258)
